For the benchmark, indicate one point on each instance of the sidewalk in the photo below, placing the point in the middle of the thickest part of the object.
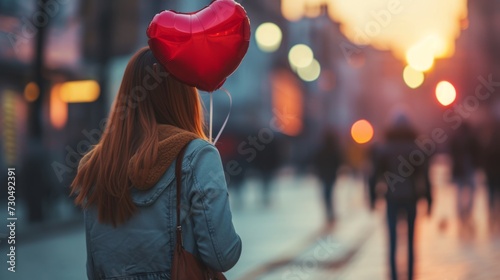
(60, 256)
(444, 249)
(288, 240)
(357, 248)
(291, 236)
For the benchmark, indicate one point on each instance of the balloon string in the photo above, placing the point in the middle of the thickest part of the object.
(211, 118)
(227, 117)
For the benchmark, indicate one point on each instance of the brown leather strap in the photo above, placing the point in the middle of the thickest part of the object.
(178, 179)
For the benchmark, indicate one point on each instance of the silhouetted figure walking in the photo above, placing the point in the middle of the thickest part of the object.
(491, 163)
(404, 169)
(327, 162)
(464, 149)
(267, 163)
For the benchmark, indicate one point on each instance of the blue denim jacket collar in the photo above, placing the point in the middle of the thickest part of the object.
(148, 197)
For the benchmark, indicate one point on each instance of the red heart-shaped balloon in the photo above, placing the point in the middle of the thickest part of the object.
(202, 48)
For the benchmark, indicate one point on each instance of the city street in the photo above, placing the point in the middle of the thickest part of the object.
(289, 241)
(294, 95)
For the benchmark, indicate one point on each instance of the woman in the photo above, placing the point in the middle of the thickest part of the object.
(126, 183)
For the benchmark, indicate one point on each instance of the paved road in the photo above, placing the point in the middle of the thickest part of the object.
(294, 225)
(446, 249)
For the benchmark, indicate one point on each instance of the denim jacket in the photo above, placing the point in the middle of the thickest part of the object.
(142, 248)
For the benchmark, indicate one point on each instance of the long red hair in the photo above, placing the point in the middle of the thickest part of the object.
(148, 96)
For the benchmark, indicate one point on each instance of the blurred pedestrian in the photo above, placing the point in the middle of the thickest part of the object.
(127, 182)
(491, 164)
(404, 169)
(464, 151)
(267, 163)
(327, 162)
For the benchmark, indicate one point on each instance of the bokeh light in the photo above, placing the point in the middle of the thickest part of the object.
(300, 56)
(287, 98)
(445, 93)
(10, 116)
(412, 77)
(421, 57)
(362, 131)
(79, 91)
(420, 60)
(312, 8)
(292, 10)
(58, 108)
(268, 37)
(31, 92)
(311, 72)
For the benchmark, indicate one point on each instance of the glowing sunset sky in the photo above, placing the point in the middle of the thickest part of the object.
(412, 29)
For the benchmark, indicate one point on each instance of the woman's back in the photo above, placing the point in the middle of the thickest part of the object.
(142, 247)
(126, 182)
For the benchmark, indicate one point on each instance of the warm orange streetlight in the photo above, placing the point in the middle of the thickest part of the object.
(58, 109)
(362, 131)
(79, 91)
(31, 92)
